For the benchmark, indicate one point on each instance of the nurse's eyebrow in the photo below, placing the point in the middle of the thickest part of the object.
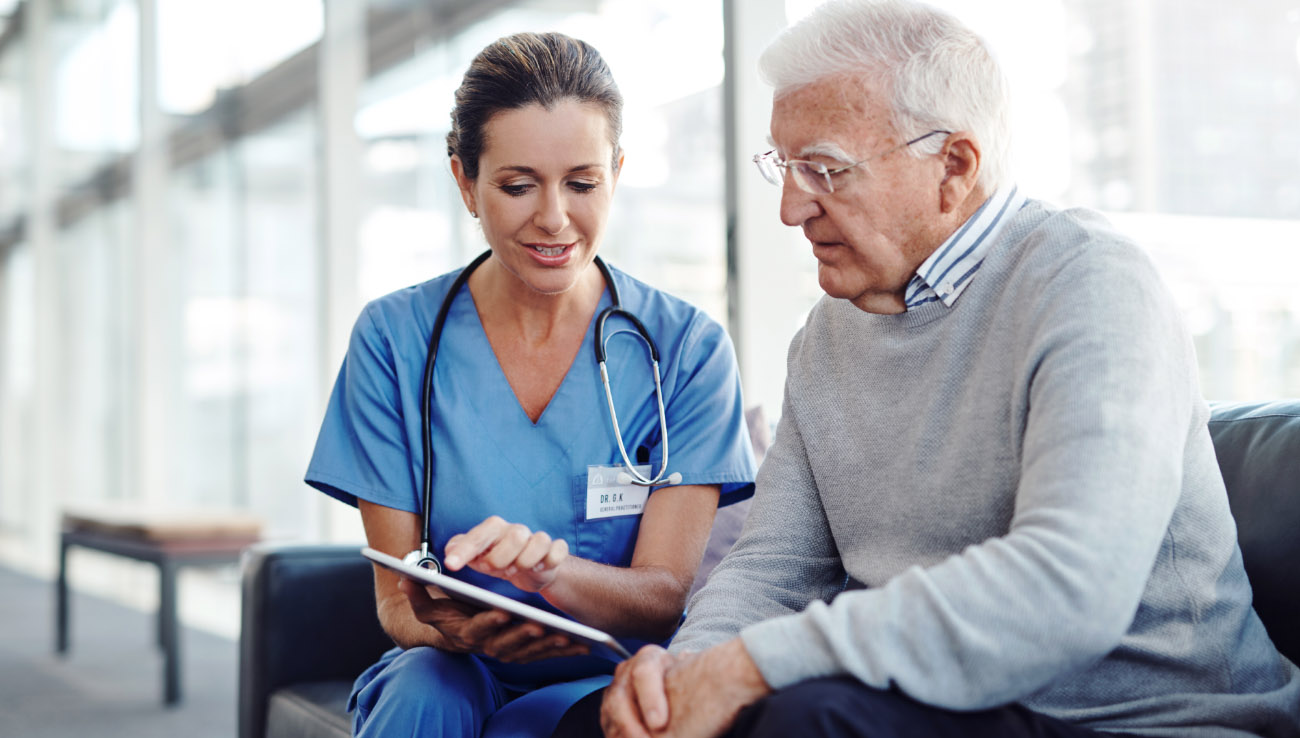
(530, 170)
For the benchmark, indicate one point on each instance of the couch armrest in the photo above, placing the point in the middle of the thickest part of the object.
(307, 615)
(1257, 444)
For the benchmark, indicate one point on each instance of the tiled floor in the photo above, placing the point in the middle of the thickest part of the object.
(109, 684)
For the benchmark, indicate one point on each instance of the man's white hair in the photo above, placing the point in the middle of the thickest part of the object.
(940, 74)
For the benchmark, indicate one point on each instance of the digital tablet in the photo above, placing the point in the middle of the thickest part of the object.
(475, 595)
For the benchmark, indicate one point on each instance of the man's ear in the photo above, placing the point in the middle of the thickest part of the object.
(464, 183)
(961, 167)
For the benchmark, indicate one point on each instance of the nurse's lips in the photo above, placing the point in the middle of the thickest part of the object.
(549, 249)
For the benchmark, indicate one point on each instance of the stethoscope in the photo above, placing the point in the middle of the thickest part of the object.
(629, 475)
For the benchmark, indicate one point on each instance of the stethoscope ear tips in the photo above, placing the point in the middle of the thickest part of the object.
(675, 478)
(624, 478)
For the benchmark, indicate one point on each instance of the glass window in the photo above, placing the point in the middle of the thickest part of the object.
(13, 143)
(96, 86)
(281, 345)
(17, 384)
(205, 213)
(1182, 127)
(204, 47)
(89, 255)
(410, 227)
(246, 222)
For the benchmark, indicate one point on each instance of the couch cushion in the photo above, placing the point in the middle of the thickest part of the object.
(1258, 445)
(310, 710)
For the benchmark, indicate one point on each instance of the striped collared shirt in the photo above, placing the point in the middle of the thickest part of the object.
(950, 268)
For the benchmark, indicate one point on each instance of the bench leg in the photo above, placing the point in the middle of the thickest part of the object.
(168, 635)
(61, 601)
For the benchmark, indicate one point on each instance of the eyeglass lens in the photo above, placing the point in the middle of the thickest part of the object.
(768, 167)
(809, 176)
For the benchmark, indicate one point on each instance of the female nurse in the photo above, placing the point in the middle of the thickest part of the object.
(521, 434)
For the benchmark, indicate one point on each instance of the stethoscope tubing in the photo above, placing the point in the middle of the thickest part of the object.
(633, 476)
(426, 398)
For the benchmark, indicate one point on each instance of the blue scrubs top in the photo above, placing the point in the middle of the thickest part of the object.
(490, 459)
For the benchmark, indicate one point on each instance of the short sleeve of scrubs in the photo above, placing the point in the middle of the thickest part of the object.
(709, 442)
(364, 449)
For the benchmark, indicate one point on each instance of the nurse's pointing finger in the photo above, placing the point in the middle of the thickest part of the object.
(507, 548)
(465, 547)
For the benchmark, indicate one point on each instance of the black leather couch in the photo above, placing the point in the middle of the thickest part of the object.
(309, 623)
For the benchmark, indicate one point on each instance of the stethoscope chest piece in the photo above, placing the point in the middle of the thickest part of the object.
(422, 558)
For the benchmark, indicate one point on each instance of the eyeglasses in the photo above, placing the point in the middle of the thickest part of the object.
(814, 177)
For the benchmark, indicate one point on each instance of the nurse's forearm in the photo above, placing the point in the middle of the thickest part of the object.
(643, 601)
(395, 532)
(399, 622)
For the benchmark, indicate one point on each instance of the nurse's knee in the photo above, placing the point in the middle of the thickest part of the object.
(427, 692)
(423, 665)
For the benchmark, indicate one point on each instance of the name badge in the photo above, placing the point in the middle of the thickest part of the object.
(606, 498)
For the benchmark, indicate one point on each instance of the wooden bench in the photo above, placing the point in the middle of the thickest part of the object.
(169, 540)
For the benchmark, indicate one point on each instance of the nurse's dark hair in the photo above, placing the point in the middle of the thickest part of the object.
(529, 69)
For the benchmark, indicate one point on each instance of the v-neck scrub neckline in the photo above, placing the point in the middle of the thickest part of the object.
(475, 334)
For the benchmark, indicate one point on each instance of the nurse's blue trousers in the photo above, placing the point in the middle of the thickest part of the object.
(431, 693)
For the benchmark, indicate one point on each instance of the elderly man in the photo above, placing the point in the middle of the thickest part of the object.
(992, 507)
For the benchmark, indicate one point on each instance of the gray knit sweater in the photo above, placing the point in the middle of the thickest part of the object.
(1025, 486)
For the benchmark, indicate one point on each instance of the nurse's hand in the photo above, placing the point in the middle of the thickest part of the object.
(468, 629)
(508, 551)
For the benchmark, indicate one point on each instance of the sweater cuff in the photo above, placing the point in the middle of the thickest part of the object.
(788, 649)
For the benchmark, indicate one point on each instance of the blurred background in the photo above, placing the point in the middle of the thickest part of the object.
(197, 197)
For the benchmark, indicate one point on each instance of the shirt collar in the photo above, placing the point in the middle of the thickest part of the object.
(949, 270)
